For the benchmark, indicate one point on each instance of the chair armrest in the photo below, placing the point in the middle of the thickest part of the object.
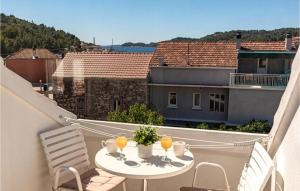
(213, 165)
(74, 172)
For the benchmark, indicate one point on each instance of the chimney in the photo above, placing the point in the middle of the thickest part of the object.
(238, 40)
(161, 62)
(34, 53)
(288, 41)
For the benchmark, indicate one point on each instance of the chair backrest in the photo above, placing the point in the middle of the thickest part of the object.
(65, 146)
(258, 171)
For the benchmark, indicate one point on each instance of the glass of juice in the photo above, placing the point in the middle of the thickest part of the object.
(121, 142)
(166, 143)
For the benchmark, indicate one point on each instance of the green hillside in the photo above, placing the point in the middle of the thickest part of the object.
(247, 35)
(17, 33)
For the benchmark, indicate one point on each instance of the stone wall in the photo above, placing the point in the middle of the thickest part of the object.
(93, 98)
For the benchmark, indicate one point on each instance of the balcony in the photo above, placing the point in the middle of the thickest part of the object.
(261, 80)
(26, 113)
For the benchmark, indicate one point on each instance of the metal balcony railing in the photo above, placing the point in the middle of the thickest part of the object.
(271, 80)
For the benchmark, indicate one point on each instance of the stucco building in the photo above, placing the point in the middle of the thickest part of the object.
(33, 64)
(231, 82)
(91, 84)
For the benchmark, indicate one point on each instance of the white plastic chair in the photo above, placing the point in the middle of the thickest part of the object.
(254, 176)
(69, 164)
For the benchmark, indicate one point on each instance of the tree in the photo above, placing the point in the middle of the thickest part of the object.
(137, 113)
(17, 33)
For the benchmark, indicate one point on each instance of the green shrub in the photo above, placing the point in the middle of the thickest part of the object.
(255, 126)
(117, 116)
(189, 125)
(146, 135)
(202, 126)
(222, 127)
(137, 113)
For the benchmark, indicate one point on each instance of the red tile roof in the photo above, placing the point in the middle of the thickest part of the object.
(210, 54)
(196, 54)
(271, 46)
(28, 53)
(274, 46)
(104, 65)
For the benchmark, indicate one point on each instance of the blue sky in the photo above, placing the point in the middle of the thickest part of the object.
(154, 20)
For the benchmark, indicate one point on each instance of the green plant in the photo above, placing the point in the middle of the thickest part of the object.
(202, 126)
(137, 113)
(222, 127)
(117, 116)
(146, 135)
(255, 126)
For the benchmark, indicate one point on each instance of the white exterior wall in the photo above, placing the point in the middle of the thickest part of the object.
(24, 114)
(287, 158)
(285, 144)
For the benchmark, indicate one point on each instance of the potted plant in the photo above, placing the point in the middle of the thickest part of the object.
(145, 137)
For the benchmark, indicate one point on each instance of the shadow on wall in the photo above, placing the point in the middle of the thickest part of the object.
(279, 185)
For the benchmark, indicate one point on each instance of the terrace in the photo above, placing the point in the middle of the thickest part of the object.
(25, 114)
(261, 80)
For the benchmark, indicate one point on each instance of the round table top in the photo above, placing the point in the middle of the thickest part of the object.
(137, 168)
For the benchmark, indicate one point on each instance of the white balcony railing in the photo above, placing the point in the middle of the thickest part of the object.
(271, 80)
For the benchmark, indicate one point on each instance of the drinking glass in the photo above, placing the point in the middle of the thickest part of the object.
(121, 142)
(166, 143)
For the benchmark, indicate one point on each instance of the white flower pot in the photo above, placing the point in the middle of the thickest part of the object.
(145, 151)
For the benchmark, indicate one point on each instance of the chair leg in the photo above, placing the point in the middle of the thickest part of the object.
(124, 186)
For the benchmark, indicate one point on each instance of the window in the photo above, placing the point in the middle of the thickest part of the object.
(217, 102)
(196, 101)
(262, 63)
(117, 105)
(172, 100)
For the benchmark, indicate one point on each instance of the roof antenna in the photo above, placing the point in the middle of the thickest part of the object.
(112, 44)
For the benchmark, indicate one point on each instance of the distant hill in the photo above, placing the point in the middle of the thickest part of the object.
(18, 33)
(247, 35)
(141, 44)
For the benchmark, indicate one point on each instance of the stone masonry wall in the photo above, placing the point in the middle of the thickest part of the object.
(67, 92)
(93, 98)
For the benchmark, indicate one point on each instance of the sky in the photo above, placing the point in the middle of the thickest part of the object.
(154, 20)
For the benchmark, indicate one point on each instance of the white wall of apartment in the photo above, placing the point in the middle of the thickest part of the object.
(24, 114)
(288, 156)
(285, 144)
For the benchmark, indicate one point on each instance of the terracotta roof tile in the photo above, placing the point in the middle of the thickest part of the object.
(195, 54)
(209, 54)
(28, 53)
(104, 65)
(272, 46)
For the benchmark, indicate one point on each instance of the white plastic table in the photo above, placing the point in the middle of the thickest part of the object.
(137, 168)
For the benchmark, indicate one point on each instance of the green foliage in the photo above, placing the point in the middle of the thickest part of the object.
(255, 126)
(146, 135)
(119, 116)
(247, 35)
(141, 44)
(137, 113)
(17, 33)
(222, 126)
(202, 126)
